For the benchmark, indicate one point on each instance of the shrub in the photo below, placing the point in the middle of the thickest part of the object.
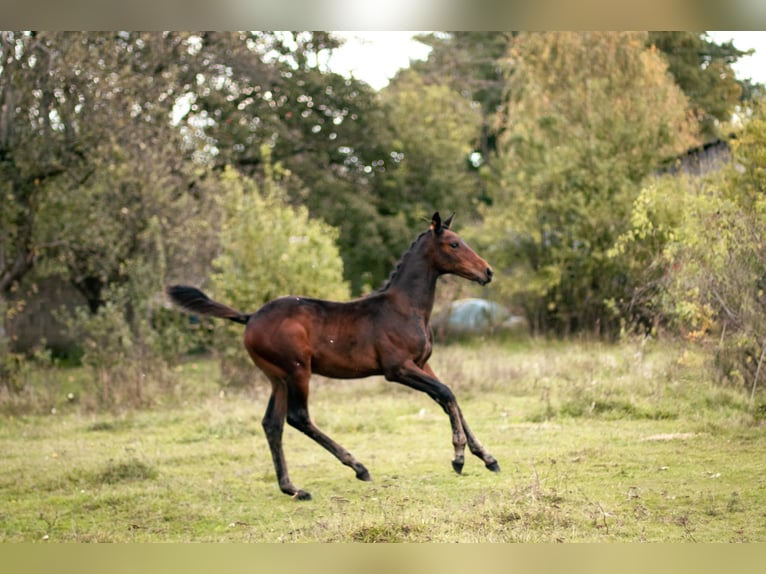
(709, 255)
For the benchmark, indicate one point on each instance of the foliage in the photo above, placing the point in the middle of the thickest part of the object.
(99, 195)
(587, 117)
(472, 64)
(118, 238)
(469, 62)
(116, 150)
(122, 214)
(435, 128)
(656, 215)
(127, 352)
(73, 103)
(271, 249)
(268, 249)
(328, 132)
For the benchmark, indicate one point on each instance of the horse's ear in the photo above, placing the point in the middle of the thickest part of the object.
(448, 222)
(436, 223)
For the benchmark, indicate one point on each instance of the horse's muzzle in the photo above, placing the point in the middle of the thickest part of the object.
(488, 274)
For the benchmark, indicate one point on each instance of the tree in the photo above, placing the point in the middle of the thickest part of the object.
(473, 65)
(433, 129)
(328, 132)
(587, 117)
(38, 140)
(270, 249)
(75, 106)
(703, 70)
(97, 189)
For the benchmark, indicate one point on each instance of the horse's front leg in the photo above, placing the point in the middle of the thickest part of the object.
(411, 375)
(473, 443)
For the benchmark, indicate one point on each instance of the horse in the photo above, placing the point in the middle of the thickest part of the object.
(386, 332)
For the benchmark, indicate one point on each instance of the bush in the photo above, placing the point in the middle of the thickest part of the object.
(709, 256)
(115, 354)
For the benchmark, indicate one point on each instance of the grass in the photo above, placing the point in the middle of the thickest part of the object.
(597, 443)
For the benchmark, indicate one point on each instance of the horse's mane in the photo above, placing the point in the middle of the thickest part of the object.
(401, 262)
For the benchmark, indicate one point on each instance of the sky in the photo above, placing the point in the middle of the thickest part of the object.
(376, 56)
(752, 67)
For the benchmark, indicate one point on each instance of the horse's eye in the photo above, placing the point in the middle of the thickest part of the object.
(454, 245)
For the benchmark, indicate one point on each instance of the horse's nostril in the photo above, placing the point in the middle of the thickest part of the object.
(490, 273)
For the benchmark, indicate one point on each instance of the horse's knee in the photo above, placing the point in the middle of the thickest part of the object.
(445, 395)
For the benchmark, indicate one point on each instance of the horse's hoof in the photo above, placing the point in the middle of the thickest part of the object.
(302, 495)
(458, 466)
(362, 474)
(493, 466)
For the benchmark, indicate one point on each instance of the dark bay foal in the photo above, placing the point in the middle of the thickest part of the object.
(387, 333)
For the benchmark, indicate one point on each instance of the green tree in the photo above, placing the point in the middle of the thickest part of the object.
(327, 131)
(587, 117)
(434, 129)
(270, 249)
(473, 65)
(656, 215)
(70, 101)
(99, 193)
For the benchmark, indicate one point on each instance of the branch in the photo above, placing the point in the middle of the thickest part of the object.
(725, 307)
(22, 264)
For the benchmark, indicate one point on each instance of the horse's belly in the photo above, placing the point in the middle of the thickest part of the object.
(339, 368)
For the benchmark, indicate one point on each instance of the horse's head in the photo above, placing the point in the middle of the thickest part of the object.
(451, 254)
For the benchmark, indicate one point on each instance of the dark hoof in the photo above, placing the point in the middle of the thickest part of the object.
(458, 466)
(493, 466)
(362, 474)
(302, 495)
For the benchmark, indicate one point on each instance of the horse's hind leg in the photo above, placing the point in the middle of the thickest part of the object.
(273, 425)
(298, 417)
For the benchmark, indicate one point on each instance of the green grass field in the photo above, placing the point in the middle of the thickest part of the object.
(597, 443)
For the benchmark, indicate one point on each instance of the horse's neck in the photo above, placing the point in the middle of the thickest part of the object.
(415, 282)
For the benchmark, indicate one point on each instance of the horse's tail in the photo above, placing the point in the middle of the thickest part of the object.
(194, 300)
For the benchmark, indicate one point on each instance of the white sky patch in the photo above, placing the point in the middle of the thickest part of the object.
(375, 57)
(752, 67)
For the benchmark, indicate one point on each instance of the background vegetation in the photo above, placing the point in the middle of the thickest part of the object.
(240, 163)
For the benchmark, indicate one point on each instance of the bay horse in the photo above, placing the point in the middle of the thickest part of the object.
(387, 332)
